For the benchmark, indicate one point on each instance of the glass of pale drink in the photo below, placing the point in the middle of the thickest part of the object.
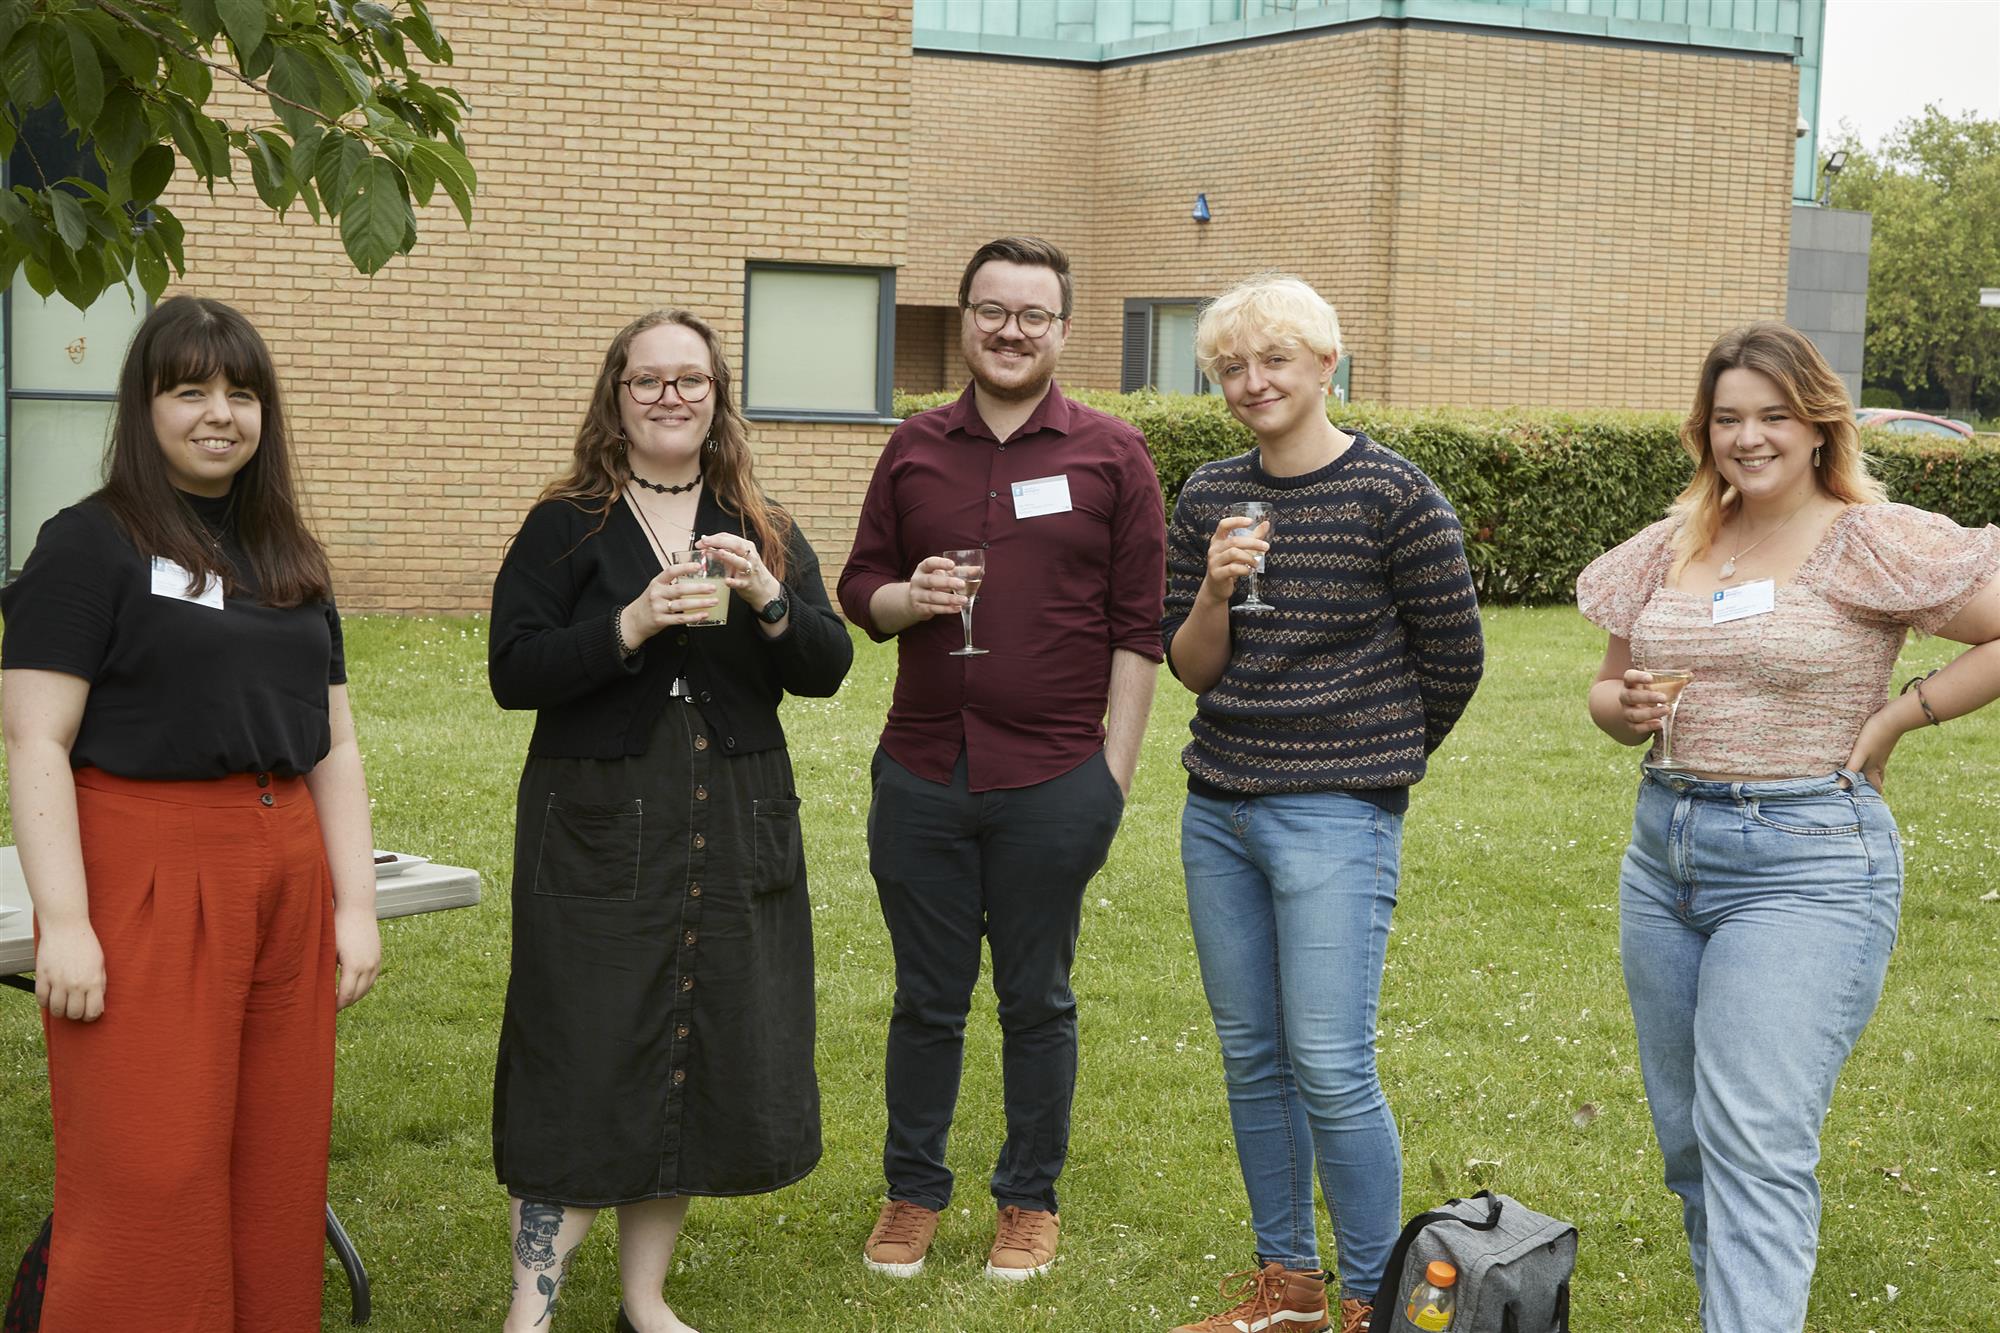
(1263, 522)
(711, 574)
(969, 566)
(1669, 681)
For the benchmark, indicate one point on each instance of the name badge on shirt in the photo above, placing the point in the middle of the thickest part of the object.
(1749, 599)
(171, 580)
(1043, 495)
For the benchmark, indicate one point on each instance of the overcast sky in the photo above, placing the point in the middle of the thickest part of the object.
(1885, 59)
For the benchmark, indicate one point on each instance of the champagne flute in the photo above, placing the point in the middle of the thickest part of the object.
(1669, 681)
(971, 567)
(1260, 515)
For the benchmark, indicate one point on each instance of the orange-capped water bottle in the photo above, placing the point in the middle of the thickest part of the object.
(1431, 1303)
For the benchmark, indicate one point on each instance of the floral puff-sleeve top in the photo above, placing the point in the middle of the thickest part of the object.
(1784, 694)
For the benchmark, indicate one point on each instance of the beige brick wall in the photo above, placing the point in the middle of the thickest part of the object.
(1499, 220)
(998, 148)
(926, 348)
(630, 156)
(1576, 223)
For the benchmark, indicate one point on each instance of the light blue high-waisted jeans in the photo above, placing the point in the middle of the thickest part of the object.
(1290, 897)
(1755, 923)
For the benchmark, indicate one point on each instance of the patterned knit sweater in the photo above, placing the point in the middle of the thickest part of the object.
(1374, 648)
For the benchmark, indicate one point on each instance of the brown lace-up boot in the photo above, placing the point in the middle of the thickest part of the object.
(1273, 1299)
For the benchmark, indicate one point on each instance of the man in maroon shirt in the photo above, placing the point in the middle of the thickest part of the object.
(1001, 778)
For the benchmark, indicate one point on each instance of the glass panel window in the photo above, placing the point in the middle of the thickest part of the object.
(1173, 369)
(62, 377)
(56, 346)
(58, 449)
(818, 341)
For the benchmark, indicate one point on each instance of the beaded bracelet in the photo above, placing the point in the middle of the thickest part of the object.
(626, 650)
(1917, 683)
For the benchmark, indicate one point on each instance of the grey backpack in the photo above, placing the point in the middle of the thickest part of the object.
(1513, 1264)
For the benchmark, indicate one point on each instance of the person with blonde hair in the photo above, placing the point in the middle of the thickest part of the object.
(1313, 719)
(1759, 896)
(657, 1041)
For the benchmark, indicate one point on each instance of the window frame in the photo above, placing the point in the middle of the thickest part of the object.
(1135, 366)
(8, 567)
(885, 345)
(9, 395)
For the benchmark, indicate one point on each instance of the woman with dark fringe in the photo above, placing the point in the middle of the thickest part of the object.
(192, 819)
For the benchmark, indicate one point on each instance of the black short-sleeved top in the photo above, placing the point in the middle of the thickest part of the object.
(178, 690)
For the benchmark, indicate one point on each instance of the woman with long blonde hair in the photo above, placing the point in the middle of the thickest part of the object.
(1759, 897)
(658, 1035)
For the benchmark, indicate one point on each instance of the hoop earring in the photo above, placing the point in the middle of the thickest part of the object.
(709, 445)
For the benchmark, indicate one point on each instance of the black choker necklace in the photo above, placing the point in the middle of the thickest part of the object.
(659, 489)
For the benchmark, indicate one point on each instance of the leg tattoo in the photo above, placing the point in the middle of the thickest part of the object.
(551, 1287)
(535, 1243)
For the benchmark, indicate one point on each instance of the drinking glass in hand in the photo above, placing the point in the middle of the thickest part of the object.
(712, 574)
(1261, 516)
(971, 567)
(1669, 681)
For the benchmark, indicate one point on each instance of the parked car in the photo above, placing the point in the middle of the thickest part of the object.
(1912, 423)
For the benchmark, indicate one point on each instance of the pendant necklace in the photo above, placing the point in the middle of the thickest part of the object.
(1729, 565)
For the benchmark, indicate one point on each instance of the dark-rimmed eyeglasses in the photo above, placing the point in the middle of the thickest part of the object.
(649, 389)
(991, 317)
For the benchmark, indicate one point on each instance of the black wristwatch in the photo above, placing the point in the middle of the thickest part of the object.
(776, 609)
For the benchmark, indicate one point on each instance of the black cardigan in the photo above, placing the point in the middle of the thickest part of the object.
(552, 648)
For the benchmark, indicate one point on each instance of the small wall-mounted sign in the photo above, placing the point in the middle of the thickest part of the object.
(1989, 296)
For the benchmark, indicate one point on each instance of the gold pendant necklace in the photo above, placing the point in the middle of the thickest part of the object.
(1729, 565)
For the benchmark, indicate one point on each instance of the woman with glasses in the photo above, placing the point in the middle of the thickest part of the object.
(658, 1035)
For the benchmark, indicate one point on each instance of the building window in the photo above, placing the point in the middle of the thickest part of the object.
(62, 383)
(819, 342)
(1159, 346)
(61, 363)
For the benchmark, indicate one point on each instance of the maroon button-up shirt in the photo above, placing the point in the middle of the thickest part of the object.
(1062, 590)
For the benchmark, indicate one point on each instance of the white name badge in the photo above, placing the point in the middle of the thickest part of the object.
(1043, 495)
(1749, 599)
(171, 580)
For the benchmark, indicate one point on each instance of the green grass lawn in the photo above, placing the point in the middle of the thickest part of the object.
(1503, 1018)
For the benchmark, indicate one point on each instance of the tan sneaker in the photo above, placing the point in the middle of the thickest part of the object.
(900, 1240)
(1275, 1298)
(1356, 1316)
(1024, 1244)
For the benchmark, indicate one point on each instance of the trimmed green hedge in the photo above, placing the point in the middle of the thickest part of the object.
(1541, 494)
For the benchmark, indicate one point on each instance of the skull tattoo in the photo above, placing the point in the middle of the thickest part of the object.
(535, 1244)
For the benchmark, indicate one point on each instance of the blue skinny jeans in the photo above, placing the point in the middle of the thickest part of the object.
(1290, 898)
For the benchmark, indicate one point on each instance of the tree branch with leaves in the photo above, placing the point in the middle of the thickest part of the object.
(358, 135)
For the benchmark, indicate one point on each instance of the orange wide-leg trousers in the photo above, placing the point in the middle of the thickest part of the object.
(192, 1119)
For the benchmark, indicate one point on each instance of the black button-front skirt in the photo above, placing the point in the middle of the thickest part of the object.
(658, 1034)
